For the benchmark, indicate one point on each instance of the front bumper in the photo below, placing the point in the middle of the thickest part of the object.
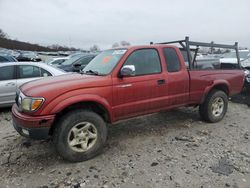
(36, 127)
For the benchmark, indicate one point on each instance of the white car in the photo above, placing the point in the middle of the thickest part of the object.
(230, 58)
(14, 74)
(246, 63)
(57, 61)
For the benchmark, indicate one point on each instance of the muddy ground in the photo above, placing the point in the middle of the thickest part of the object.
(168, 149)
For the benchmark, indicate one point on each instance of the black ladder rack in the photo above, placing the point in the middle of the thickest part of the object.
(186, 44)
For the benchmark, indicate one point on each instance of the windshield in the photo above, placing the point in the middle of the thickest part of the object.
(104, 63)
(76, 54)
(71, 60)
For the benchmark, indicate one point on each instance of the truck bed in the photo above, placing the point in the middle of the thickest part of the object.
(202, 81)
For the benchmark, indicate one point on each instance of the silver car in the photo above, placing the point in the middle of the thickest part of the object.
(57, 61)
(14, 74)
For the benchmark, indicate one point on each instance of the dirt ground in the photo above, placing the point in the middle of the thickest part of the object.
(168, 149)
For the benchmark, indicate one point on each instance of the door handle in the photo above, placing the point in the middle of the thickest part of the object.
(10, 84)
(124, 85)
(160, 82)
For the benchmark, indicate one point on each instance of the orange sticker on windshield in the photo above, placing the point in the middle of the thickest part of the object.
(106, 59)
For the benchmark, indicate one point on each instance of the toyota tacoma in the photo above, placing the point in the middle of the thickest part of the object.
(119, 84)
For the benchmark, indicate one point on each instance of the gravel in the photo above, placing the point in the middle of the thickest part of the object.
(167, 149)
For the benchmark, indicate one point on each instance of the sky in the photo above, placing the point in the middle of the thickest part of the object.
(83, 23)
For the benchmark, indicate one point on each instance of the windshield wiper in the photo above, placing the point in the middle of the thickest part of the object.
(91, 72)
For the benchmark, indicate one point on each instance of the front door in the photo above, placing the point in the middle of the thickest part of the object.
(139, 94)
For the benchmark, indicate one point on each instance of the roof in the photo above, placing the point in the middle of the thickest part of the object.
(143, 46)
(23, 63)
(42, 65)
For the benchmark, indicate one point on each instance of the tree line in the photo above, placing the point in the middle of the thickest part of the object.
(6, 42)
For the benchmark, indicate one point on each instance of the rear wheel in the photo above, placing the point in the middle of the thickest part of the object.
(80, 135)
(214, 107)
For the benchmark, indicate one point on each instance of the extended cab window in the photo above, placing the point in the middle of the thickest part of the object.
(146, 61)
(29, 71)
(172, 60)
(7, 73)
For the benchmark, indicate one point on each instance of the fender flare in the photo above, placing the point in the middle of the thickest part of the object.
(214, 85)
(82, 98)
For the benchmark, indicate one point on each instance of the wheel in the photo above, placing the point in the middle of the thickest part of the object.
(214, 107)
(80, 135)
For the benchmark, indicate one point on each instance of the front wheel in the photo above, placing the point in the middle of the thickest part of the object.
(80, 135)
(214, 107)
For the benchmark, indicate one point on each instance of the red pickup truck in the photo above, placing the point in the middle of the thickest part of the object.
(118, 84)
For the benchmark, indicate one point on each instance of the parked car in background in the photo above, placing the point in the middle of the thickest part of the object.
(12, 75)
(28, 56)
(9, 52)
(76, 63)
(247, 79)
(7, 58)
(57, 61)
(230, 58)
(77, 54)
(246, 63)
(244, 55)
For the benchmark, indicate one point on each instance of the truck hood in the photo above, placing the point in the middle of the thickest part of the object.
(60, 84)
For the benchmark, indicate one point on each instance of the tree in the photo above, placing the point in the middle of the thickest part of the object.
(123, 43)
(3, 34)
(115, 45)
(94, 48)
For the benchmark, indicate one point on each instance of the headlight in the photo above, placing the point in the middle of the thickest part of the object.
(29, 103)
(25, 104)
(32, 104)
(246, 72)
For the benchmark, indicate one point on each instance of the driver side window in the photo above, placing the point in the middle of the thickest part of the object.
(145, 61)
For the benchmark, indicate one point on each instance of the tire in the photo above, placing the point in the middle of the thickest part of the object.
(80, 126)
(209, 111)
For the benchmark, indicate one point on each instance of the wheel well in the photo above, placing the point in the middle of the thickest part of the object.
(93, 106)
(221, 87)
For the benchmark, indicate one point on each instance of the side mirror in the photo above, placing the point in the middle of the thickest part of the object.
(127, 70)
(77, 65)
